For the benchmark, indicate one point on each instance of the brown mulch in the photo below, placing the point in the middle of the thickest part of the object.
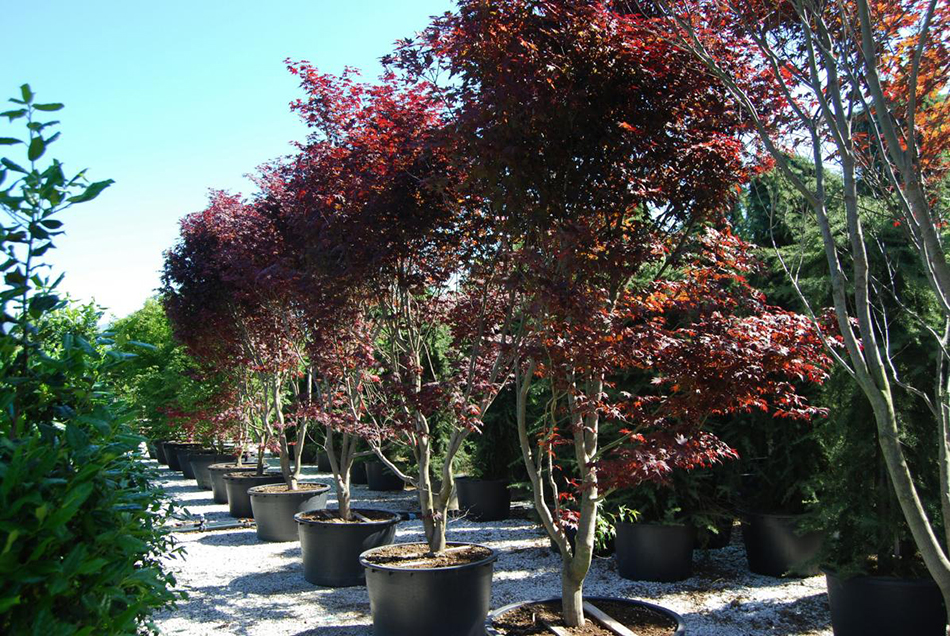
(332, 516)
(526, 620)
(417, 556)
(283, 487)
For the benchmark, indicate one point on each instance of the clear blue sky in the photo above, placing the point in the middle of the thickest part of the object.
(173, 98)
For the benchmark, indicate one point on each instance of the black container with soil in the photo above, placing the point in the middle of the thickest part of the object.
(429, 599)
(323, 462)
(381, 479)
(200, 465)
(217, 472)
(483, 499)
(237, 485)
(708, 540)
(775, 546)
(172, 450)
(655, 552)
(885, 606)
(274, 507)
(637, 616)
(185, 457)
(331, 548)
(151, 450)
(160, 452)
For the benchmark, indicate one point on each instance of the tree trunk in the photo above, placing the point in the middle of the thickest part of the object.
(572, 598)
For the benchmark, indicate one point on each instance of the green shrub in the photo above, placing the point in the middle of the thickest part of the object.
(81, 536)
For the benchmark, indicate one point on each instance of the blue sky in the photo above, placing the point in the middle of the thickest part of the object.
(170, 99)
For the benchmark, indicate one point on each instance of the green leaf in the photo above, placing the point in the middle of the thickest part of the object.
(48, 107)
(91, 192)
(37, 148)
(51, 224)
(9, 141)
(13, 114)
(12, 166)
(26, 93)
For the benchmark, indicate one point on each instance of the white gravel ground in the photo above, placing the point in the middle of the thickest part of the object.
(239, 585)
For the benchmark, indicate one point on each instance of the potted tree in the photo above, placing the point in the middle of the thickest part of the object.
(619, 272)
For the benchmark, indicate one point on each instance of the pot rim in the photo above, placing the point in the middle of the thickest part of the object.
(241, 475)
(313, 492)
(877, 578)
(491, 558)
(507, 482)
(224, 466)
(396, 518)
(680, 623)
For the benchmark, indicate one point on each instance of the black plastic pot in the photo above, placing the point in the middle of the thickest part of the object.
(484, 499)
(323, 462)
(708, 540)
(358, 474)
(218, 471)
(380, 478)
(176, 453)
(774, 546)
(331, 551)
(185, 457)
(654, 552)
(885, 606)
(160, 452)
(673, 616)
(429, 601)
(150, 449)
(200, 465)
(274, 511)
(237, 485)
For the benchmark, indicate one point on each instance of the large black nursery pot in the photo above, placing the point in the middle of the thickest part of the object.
(274, 510)
(217, 472)
(380, 478)
(358, 474)
(237, 485)
(670, 614)
(483, 499)
(185, 457)
(160, 452)
(885, 606)
(775, 547)
(323, 462)
(172, 450)
(655, 552)
(429, 601)
(200, 463)
(151, 450)
(331, 550)
(709, 540)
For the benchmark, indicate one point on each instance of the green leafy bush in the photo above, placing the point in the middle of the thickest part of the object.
(81, 537)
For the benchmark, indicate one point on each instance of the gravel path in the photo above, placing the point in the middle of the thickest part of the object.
(238, 585)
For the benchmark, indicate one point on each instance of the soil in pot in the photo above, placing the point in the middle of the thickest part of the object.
(238, 483)
(885, 606)
(200, 465)
(274, 507)
(643, 619)
(483, 499)
(654, 552)
(775, 547)
(413, 593)
(331, 547)
(380, 478)
(218, 471)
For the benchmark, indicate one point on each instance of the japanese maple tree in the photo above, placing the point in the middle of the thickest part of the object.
(608, 156)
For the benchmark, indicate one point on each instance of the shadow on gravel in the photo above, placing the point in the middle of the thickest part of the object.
(343, 630)
(775, 618)
(233, 538)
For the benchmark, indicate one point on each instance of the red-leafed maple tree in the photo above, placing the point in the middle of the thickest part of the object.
(375, 194)
(607, 157)
(226, 297)
(861, 87)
